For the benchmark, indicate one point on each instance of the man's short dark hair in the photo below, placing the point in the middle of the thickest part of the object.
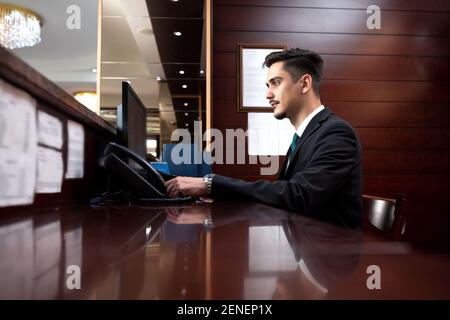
(299, 62)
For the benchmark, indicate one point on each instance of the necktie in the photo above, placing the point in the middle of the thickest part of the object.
(295, 139)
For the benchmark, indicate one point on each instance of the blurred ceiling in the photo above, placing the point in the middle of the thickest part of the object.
(138, 45)
(65, 56)
(182, 56)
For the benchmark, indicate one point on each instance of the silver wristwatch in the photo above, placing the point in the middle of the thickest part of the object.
(208, 182)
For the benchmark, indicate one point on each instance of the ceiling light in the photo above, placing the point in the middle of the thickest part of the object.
(146, 31)
(158, 78)
(202, 72)
(184, 86)
(186, 124)
(181, 72)
(186, 114)
(19, 27)
(174, 0)
(87, 98)
(177, 33)
(94, 70)
(186, 104)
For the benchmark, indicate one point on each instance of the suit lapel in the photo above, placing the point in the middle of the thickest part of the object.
(283, 167)
(310, 129)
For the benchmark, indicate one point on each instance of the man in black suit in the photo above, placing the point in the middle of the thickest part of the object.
(322, 174)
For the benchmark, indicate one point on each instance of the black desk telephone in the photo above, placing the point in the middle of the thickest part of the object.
(133, 180)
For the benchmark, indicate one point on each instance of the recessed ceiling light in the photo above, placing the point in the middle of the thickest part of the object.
(146, 31)
(181, 72)
(94, 70)
(174, 0)
(158, 78)
(186, 114)
(202, 72)
(186, 104)
(184, 86)
(177, 33)
(186, 124)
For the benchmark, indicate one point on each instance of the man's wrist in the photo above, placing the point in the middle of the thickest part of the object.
(208, 183)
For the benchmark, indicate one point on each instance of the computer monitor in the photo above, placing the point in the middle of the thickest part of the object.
(132, 121)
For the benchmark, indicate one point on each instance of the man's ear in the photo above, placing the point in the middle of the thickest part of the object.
(305, 83)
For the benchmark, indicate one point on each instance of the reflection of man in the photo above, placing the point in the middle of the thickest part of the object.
(322, 173)
(325, 255)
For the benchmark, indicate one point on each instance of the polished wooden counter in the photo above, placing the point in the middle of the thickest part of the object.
(225, 250)
(58, 103)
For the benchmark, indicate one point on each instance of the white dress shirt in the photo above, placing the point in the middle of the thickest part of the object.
(301, 128)
(307, 120)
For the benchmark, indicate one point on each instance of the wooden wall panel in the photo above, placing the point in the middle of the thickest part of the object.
(360, 90)
(327, 20)
(403, 5)
(360, 114)
(339, 43)
(391, 84)
(352, 67)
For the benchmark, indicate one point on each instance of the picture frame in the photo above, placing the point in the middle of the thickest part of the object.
(251, 76)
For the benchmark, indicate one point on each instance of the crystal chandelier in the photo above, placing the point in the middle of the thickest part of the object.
(19, 27)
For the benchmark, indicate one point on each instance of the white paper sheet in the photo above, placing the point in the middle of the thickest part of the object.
(50, 130)
(267, 135)
(254, 77)
(50, 171)
(18, 146)
(75, 150)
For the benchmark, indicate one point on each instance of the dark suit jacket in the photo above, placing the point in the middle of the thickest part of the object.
(324, 179)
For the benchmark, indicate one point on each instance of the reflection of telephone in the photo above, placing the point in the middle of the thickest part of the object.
(136, 181)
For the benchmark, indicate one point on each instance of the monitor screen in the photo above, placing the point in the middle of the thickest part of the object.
(132, 121)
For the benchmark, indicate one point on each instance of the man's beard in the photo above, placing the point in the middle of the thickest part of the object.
(279, 115)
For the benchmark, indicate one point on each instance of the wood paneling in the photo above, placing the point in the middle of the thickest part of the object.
(393, 162)
(346, 67)
(391, 84)
(405, 138)
(403, 5)
(392, 114)
(328, 20)
(336, 43)
(359, 114)
(359, 90)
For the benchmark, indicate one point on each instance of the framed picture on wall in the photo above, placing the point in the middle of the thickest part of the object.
(251, 95)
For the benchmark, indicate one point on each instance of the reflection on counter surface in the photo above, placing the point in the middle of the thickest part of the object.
(204, 251)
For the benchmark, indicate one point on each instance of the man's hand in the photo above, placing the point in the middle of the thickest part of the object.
(186, 186)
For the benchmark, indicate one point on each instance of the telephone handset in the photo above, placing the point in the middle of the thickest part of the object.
(142, 182)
